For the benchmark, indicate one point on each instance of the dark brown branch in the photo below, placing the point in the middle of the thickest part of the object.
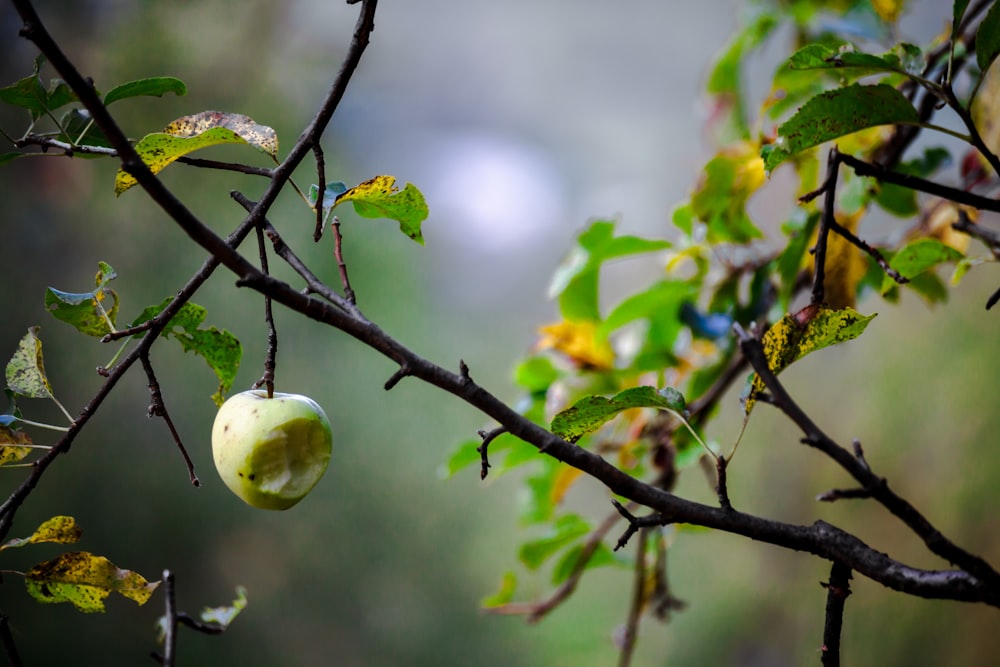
(631, 629)
(313, 284)
(321, 193)
(870, 251)
(170, 621)
(903, 510)
(989, 238)
(157, 408)
(483, 449)
(536, 611)
(825, 223)
(10, 506)
(7, 640)
(635, 524)
(721, 485)
(837, 591)
(338, 253)
(862, 168)
(267, 379)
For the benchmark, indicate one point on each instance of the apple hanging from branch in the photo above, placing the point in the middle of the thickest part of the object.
(271, 451)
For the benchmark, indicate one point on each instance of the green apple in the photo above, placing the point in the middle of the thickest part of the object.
(271, 451)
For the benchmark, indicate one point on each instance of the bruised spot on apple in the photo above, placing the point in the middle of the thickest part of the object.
(271, 451)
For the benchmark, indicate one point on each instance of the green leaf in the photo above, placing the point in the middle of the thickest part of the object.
(26, 369)
(564, 530)
(156, 86)
(576, 280)
(790, 260)
(93, 313)
(725, 80)
(730, 178)
(380, 198)
(788, 340)
(601, 557)
(191, 133)
(988, 38)
(463, 456)
(904, 59)
(27, 93)
(219, 617)
(58, 529)
(220, 349)
(835, 114)
(590, 412)
(536, 374)
(662, 299)
(85, 580)
(958, 11)
(918, 256)
(504, 594)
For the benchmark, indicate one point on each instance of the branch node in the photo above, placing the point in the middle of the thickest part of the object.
(488, 437)
(635, 523)
(721, 487)
(404, 370)
(463, 370)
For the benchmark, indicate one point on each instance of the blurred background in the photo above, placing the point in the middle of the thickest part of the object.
(519, 121)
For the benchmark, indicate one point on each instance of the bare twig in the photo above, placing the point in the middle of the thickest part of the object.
(536, 611)
(862, 168)
(157, 408)
(870, 251)
(170, 621)
(903, 510)
(487, 437)
(631, 629)
(721, 486)
(338, 253)
(825, 223)
(837, 591)
(267, 379)
(321, 193)
(7, 640)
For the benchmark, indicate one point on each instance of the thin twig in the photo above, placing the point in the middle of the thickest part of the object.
(487, 437)
(321, 194)
(869, 250)
(536, 611)
(338, 253)
(170, 624)
(862, 168)
(631, 630)
(721, 486)
(903, 510)
(825, 223)
(7, 640)
(267, 379)
(837, 591)
(157, 408)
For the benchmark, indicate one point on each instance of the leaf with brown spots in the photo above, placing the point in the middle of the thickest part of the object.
(85, 580)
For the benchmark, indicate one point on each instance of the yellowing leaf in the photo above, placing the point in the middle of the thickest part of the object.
(794, 336)
(191, 133)
(58, 529)
(563, 481)
(888, 10)
(578, 341)
(938, 221)
(26, 369)
(85, 580)
(380, 198)
(845, 266)
(12, 445)
(720, 199)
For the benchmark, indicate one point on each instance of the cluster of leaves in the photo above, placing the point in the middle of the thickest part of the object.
(636, 381)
